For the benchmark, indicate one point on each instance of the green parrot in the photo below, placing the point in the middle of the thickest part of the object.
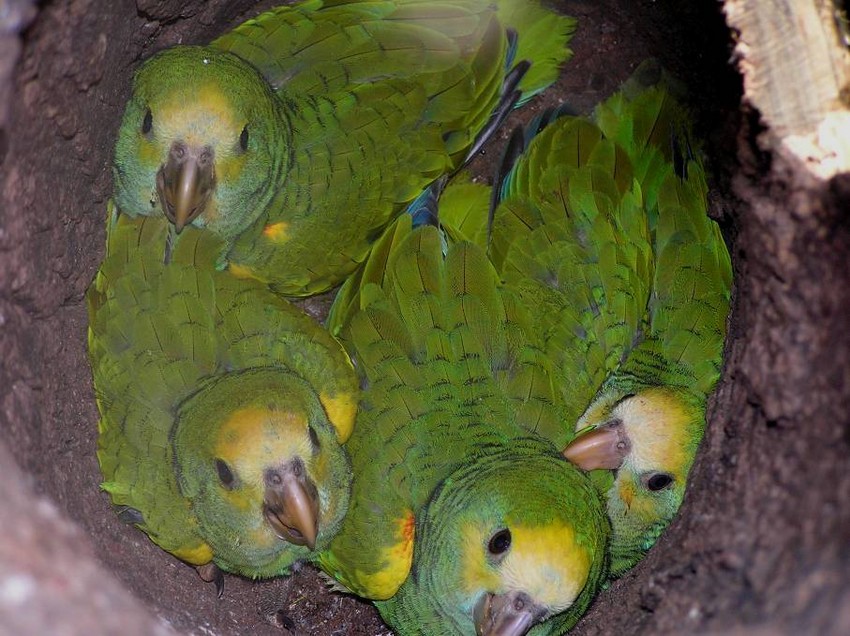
(223, 407)
(464, 518)
(314, 124)
(602, 229)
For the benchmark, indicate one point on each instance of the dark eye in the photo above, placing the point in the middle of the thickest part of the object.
(500, 542)
(659, 481)
(243, 139)
(225, 475)
(314, 438)
(147, 122)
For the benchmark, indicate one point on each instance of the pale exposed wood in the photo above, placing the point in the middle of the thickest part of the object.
(15, 16)
(796, 72)
(50, 582)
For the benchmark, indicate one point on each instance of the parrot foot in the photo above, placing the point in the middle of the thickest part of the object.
(129, 515)
(333, 585)
(211, 573)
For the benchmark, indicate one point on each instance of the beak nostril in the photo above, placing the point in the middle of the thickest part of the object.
(185, 183)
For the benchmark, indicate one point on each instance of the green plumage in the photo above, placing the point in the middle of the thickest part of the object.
(572, 238)
(177, 352)
(450, 448)
(602, 228)
(322, 121)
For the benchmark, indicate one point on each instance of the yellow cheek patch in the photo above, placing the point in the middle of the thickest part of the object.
(229, 167)
(478, 572)
(246, 498)
(547, 563)
(341, 410)
(626, 490)
(397, 558)
(151, 154)
(638, 502)
(277, 232)
(199, 554)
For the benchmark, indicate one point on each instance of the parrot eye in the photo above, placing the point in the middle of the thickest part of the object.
(243, 139)
(225, 475)
(314, 438)
(147, 122)
(659, 481)
(500, 542)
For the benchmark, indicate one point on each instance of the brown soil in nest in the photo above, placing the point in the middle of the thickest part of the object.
(762, 542)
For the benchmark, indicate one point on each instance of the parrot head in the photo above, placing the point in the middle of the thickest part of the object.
(503, 546)
(650, 440)
(260, 463)
(201, 141)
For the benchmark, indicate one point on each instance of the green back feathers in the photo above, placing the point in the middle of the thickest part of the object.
(319, 48)
(570, 236)
(463, 209)
(407, 87)
(692, 271)
(441, 305)
(418, 56)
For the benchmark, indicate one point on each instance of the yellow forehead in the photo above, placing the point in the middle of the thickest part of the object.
(207, 118)
(662, 429)
(251, 439)
(546, 562)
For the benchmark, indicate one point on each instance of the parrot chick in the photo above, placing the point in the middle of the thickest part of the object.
(601, 227)
(223, 407)
(316, 123)
(464, 518)
(643, 445)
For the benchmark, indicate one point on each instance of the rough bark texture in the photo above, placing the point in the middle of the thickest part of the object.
(762, 545)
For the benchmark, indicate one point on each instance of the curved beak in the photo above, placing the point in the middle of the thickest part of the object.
(185, 183)
(603, 447)
(291, 504)
(509, 614)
